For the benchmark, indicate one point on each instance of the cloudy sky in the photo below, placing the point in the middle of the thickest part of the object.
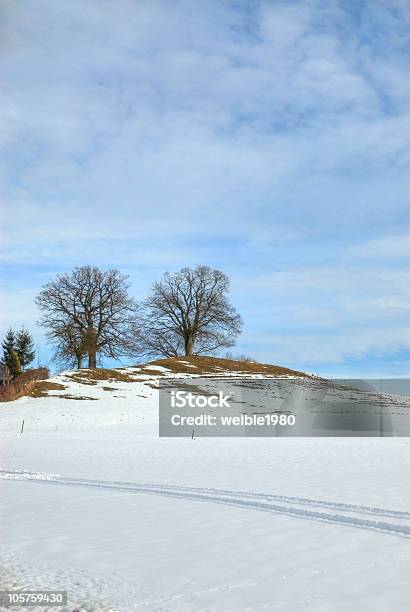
(268, 139)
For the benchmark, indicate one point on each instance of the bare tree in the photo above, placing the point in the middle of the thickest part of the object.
(88, 312)
(188, 313)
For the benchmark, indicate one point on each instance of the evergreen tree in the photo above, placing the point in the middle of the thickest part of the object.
(8, 346)
(25, 348)
(15, 366)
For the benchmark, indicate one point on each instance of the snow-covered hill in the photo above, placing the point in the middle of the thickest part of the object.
(93, 501)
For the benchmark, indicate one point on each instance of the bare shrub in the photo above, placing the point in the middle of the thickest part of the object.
(23, 384)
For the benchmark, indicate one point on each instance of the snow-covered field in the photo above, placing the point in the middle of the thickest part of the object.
(94, 502)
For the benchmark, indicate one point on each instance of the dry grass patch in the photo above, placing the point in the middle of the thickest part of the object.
(81, 380)
(215, 365)
(75, 397)
(41, 388)
(148, 372)
(92, 377)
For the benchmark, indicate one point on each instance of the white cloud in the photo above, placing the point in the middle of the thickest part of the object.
(322, 314)
(385, 248)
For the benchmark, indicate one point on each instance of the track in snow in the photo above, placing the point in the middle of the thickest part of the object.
(352, 515)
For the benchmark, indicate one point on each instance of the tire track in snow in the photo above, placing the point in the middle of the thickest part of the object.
(254, 501)
(401, 514)
(304, 501)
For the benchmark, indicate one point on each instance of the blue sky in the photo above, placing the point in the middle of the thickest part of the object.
(270, 140)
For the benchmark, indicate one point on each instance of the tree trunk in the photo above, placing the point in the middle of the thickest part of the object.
(79, 361)
(189, 345)
(92, 360)
(91, 343)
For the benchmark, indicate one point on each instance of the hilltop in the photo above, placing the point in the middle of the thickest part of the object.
(66, 384)
(215, 365)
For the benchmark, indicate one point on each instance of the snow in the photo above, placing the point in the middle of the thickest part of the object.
(156, 368)
(93, 501)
